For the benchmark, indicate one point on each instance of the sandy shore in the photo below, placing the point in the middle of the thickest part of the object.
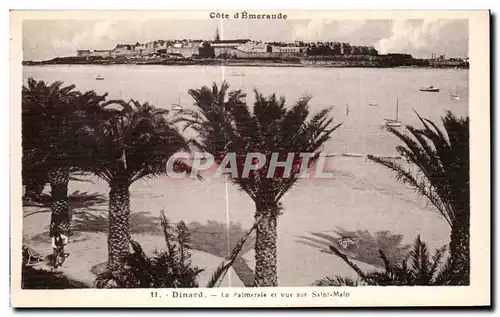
(88, 249)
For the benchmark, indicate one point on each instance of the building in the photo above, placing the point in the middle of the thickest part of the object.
(345, 49)
(185, 52)
(355, 50)
(290, 49)
(336, 48)
(254, 47)
(101, 53)
(372, 51)
(83, 53)
(229, 43)
(93, 53)
(236, 48)
(123, 50)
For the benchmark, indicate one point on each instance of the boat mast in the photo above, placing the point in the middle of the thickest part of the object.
(397, 108)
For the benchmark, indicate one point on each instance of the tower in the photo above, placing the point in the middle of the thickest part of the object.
(217, 37)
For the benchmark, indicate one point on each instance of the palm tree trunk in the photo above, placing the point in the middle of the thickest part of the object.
(460, 252)
(265, 245)
(119, 225)
(60, 219)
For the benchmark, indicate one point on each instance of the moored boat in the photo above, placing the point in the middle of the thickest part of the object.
(429, 89)
(177, 106)
(394, 123)
(99, 77)
(455, 96)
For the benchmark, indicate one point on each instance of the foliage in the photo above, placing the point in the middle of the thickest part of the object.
(55, 114)
(84, 131)
(420, 268)
(441, 160)
(226, 124)
(130, 141)
(170, 268)
(46, 113)
(336, 281)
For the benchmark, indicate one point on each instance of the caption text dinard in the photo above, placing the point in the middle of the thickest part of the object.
(254, 294)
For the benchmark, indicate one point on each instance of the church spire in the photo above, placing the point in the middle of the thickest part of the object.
(217, 37)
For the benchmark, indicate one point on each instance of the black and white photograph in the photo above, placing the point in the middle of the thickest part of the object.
(212, 157)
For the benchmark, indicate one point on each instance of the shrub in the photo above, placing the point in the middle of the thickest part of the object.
(419, 268)
(170, 268)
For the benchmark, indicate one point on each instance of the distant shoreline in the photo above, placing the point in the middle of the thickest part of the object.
(311, 63)
(240, 65)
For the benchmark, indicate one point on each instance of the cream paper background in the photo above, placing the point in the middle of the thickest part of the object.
(478, 293)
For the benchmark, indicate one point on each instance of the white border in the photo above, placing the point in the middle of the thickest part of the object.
(477, 293)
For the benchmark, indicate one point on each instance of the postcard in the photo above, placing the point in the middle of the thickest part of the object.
(240, 158)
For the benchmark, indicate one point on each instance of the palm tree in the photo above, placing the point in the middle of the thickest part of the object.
(441, 159)
(123, 146)
(419, 267)
(225, 123)
(34, 179)
(48, 144)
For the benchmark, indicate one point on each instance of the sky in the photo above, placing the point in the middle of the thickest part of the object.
(45, 39)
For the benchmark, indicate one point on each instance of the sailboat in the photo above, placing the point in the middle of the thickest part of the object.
(177, 106)
(454, 96)
(391, 122)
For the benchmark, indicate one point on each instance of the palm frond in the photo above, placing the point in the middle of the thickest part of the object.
(336, 281)
(361, 274)
(217, 274)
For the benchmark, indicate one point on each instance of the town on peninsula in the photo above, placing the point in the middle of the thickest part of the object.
(246, 52)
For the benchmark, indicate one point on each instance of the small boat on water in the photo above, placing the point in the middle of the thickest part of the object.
(394, 123)
(429, 89)
(99, 77)
(177, 106)
(236, 74)
(373, 105)
(454, 96)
